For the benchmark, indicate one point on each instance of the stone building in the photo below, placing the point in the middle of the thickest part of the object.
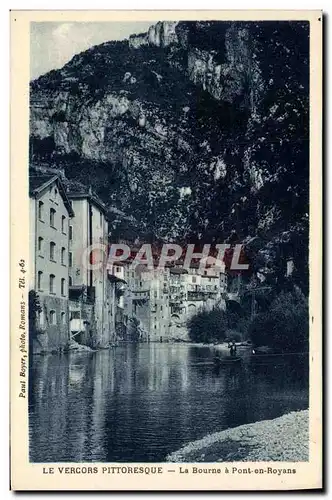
(89, 288)
(146, 300)
(137, 302)
(192, 290)
(161, 301)
(115, 302)
(51, 214)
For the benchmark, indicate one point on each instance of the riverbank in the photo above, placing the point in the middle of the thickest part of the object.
(223, 346)
(284, 439)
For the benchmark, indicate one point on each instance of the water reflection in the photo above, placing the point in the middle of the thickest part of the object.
(140, 402)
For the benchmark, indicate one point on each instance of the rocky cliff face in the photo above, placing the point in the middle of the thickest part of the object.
(161, 34)
(224, 81)
(195, 130)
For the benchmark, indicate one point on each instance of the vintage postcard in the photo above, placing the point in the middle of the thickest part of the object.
(166, 244)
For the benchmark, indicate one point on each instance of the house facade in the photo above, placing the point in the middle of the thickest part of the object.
(193, 290)
(91, 322)
(50, 216)
(162, 301)
(146, 300)
(115, 302)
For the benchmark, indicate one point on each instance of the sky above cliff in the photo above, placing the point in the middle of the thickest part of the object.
(53, 44)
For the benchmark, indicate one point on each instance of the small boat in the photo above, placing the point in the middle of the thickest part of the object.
(226, 361)
(265, 350)
(202, 363)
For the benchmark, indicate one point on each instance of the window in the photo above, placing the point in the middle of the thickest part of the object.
(70, 281)
(118, 269)
(52, 250)
(52, 318)
(40, 315)
(63, 256)
(52, 217)
(52, 283)
(70, 259)
(70, 232)
(40, 210)
(40, 280)
(40, 244)
(63, 224)
(63, 286)
(63, 318)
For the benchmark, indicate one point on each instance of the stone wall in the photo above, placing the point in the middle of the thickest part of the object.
(50, 337)
(87, 325)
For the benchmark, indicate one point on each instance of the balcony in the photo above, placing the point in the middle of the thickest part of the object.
(77, 325)
(82, 293)
(139, 295)
(115, 279)
(201, 295)
(203, 289)
(176, 299)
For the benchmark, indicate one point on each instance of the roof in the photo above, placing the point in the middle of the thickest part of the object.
(38, 183)
(118, 264)
(75, 288)
(114, 279)
(178, 270)
(192, 265)
(90, 197)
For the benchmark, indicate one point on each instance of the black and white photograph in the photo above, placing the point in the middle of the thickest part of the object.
(168, 281)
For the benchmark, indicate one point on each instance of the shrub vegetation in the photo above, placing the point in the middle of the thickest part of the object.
(285, 325)
(208, 326)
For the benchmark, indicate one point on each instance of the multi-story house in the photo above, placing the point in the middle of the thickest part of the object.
(115, 301)
(137, 301)
(146, 300)
(50, 218)
(177, 302)
(163, 300)
(158, 280)
(89, 288)
(192, 290)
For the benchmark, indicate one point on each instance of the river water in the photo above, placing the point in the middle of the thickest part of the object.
(137, 403)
